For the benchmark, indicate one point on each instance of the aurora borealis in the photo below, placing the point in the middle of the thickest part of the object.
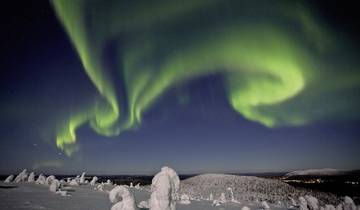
(268, 61)
(279, 68)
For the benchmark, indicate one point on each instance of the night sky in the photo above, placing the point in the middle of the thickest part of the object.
(125, 87)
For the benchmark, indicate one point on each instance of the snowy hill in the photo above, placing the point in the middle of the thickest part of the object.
(316, 172)
(246, 188)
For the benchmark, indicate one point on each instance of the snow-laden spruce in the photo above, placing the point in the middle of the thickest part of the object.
(303, 203)
(82, 178)
(100, 187)
(41, 179)
(93, 181)
(164, 190)
(185, 199)
(75, 181)
(122, 198)
(349, 204)
(22, 176)
(144, 205)
(50, 179)
(31, 177)
(54, 185)
(312, 202)
(264, 205)
(9, 178)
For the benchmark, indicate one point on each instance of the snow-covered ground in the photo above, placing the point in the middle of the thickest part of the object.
(203, 192)
(33, 197)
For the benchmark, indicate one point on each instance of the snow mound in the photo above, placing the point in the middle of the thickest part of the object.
(122, 198)
(316, 172)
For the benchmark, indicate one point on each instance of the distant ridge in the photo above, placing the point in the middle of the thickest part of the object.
(317, 172)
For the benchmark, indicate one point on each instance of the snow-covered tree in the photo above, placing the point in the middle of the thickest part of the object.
(349, 203)
(222, 198)
(82, 178)
(41, 179)
(339, 207)
(93, 181)
(164, 189)
(303, 204)
(50, 179)
(22, 176)
(329, 207)
(54, 186)
(312, 202)
(9, 178)
(264, 205)
(31, 177)
(185, 199)
(144, 205)
(211, 197)
(100, 187)
(122, 199)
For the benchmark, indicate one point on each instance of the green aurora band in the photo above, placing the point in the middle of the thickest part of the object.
(275, 57)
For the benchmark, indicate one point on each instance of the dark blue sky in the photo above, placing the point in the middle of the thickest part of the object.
(191, 128)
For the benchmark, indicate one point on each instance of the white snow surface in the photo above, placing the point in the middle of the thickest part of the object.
(31, 196)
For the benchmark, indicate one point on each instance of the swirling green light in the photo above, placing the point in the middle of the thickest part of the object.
(268, 57)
